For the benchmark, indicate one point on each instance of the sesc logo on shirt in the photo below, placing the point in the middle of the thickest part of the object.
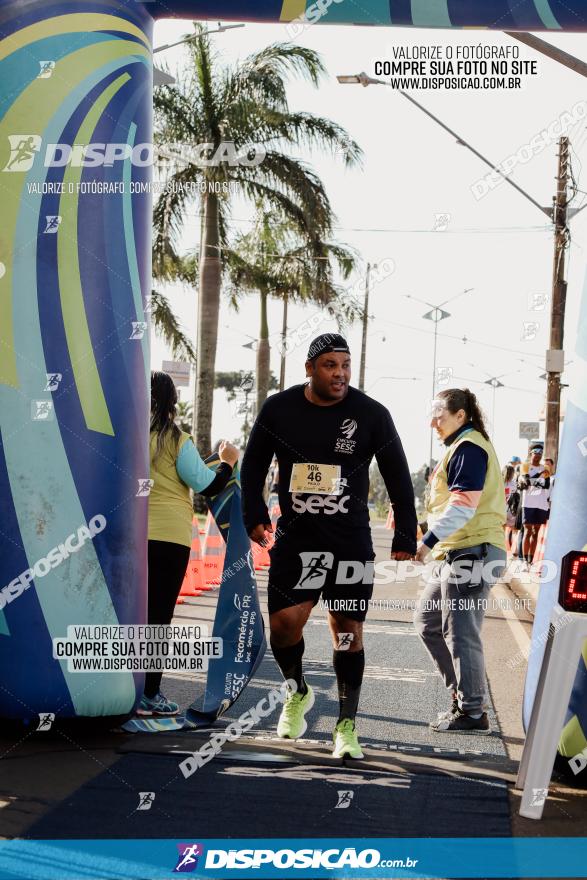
(344, 443)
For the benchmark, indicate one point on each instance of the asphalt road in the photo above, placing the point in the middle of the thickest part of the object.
(413, 782)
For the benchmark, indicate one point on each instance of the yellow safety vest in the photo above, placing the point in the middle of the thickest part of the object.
(486, 525)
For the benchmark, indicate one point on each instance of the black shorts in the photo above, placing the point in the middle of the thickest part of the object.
(533, 516)
(307, 576)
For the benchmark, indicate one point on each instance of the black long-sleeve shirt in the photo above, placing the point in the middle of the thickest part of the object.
(347, 434)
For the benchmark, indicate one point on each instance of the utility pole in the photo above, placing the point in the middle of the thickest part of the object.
(365, 324)
(555, 355)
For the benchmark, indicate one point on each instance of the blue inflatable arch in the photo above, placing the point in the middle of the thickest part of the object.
(75, 277)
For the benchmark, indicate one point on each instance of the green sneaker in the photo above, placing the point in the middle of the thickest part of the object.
(292, 724)
(345, 740)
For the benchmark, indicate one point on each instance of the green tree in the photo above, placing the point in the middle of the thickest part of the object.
(377, 492)
(239, 388)
(184, 416)
(275, 260)
(240, 107)
(420, 482)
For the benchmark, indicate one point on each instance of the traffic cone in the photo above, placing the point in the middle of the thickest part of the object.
(193, 582)
(390, 523)
(214, 553)
(540, 546)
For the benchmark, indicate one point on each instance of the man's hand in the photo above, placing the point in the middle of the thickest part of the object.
(401, 555)
(422, 553)
(259, 535)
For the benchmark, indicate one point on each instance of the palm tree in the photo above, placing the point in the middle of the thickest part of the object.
(275, 260)
(169, 268)
(241, 113)
(183, 418)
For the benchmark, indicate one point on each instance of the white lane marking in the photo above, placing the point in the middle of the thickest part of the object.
(517, 630)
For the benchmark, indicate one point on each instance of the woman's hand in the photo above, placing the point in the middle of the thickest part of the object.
(228, 453)
(422, 553)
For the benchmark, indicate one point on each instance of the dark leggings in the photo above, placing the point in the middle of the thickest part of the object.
(167, 567)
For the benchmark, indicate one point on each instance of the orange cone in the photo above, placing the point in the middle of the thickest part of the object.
(390, 523)
(540, 547)
(193, 582)
(214, 553)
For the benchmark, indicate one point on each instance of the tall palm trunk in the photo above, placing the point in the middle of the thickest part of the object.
(263, 354)
(207, 329)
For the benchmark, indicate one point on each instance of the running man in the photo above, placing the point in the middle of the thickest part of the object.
(324, 434)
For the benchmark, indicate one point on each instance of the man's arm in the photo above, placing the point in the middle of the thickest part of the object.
(393, 466)
(257, 458)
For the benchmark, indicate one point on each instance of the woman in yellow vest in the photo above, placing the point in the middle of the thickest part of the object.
(176, 467)
(466, 516)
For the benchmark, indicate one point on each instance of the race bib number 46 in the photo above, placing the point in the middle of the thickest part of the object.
(316, 479)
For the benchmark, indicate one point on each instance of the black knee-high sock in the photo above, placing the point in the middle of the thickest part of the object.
(349, 667)
(289, 661)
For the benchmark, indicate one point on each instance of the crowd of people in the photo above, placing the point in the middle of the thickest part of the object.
(528, 490)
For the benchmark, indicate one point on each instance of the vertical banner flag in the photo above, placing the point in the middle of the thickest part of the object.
(238, 621)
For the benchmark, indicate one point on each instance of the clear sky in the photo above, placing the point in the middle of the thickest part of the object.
(500, 245)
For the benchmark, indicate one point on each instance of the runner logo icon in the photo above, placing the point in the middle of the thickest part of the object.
(23, 149)
(46, 719)
(146, 800)
(344, 799)
(315, 567)
(189, 854)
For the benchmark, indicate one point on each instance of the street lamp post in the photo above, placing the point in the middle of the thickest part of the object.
(219, 30)
(495, 383)
(365, 80)
(161, 77)
(436, 314)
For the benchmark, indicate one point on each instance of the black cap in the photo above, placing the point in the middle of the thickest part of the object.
(325, 343)
(538, 445)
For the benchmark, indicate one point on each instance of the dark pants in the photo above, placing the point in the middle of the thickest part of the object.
(167, 567)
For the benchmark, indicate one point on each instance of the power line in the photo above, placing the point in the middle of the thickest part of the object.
(465, 339)
(466, 230)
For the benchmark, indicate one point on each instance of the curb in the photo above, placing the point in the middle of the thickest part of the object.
(523, 585)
